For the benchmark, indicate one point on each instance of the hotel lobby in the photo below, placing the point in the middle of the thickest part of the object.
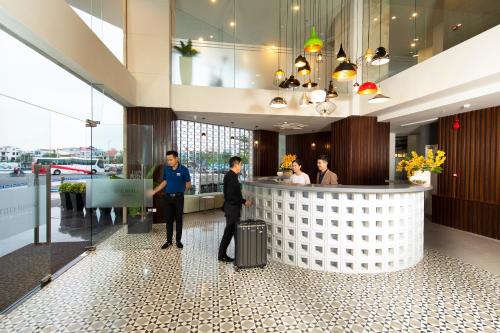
(369, 148)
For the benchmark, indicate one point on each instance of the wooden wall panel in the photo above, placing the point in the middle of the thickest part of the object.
(301, 145)
(470, 182)
(360, 150)
(265, 153)
(162, 120)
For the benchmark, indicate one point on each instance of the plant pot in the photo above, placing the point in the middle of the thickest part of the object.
(77, 201)
(138, 226)
(279, 173)
(422, 178)
(65, 200)
(186, 69)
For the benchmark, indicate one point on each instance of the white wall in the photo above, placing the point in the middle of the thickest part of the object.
(56, 30)
(148, 50)
(245, 101)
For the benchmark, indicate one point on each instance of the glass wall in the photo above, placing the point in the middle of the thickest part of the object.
(241, 43)
(415, 30)
(105, 19)
(49, 153)
(205, 150)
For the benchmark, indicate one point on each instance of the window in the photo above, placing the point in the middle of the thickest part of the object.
(205, 150)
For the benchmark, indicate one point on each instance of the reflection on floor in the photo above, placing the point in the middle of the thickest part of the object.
(23, 264)
(130, 285)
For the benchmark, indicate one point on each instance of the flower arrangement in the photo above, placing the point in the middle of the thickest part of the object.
(286, 162)
(417, 163)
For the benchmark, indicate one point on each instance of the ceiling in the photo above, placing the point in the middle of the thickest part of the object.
(260, 122)
(110, 11)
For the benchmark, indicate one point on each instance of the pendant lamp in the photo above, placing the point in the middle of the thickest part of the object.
(369, 54)
(345, 71)
(379, 98)
(304, 101)
(309, 84)
(331, 93)
(318, 96)
(367, 88)
(381, 55)
(292, 82)
(325, 108)
(313, 44)
(355, 87)
(304, 70)
(301, 61)
(341, 56)
(278, 103)
(279, 75)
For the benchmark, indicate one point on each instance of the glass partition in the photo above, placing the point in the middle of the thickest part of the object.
(47, 155)
(205, 149)
(415, 30)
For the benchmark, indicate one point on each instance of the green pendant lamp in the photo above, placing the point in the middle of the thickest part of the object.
(313, 44)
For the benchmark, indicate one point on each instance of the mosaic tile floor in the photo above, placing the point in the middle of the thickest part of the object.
(130, 285)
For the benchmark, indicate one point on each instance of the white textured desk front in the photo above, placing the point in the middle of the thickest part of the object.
(340, 228)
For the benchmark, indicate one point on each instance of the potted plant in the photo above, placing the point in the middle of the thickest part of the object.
(64, 194)
(186, 61)
(285, 168)
(77, 194)
(418, 168)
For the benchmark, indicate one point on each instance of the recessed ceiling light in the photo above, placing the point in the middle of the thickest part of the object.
(419, 122)
(296, 7)
(213, 1)
(200, 39)
(232, 24)
(468, 105)
(413, 44)
(211, 36)
(414, 14)
(375, 19)
(393, 18)
(415, 39)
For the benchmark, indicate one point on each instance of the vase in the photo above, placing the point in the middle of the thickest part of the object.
(279, 173)
(186, 69)
(422, 178)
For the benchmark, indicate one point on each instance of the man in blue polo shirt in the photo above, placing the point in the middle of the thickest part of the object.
(176, 180)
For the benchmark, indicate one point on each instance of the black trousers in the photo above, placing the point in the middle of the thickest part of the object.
(174, 208)
(232, 217)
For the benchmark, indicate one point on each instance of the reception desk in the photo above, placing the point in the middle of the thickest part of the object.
(346, 229)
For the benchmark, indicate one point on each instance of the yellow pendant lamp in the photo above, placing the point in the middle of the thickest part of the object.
(345, 71)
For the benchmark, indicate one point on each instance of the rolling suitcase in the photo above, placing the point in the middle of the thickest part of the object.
(250, 244)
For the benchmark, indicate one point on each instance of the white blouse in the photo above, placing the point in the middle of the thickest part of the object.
(302, 179)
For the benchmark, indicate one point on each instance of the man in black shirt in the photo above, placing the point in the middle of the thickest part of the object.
(233, 199)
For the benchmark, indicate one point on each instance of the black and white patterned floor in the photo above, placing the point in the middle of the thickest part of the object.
(130, 285)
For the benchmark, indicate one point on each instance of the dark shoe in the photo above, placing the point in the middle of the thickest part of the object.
(167, 244)
(226, 259)
(179, 245)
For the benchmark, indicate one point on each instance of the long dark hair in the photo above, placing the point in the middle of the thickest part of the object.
(298, 161)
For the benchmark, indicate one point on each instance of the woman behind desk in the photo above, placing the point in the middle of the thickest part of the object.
(298, 176)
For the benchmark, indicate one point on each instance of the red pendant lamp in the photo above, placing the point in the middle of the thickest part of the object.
(456, 124)
(367, 88)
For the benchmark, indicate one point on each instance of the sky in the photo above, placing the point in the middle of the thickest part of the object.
(44, 106)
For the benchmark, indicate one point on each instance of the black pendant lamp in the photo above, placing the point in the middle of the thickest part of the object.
(381, 56)
(341, 56)
(301, 61)
(292, 82)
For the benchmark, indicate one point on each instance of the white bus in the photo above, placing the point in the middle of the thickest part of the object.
(69, 165)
